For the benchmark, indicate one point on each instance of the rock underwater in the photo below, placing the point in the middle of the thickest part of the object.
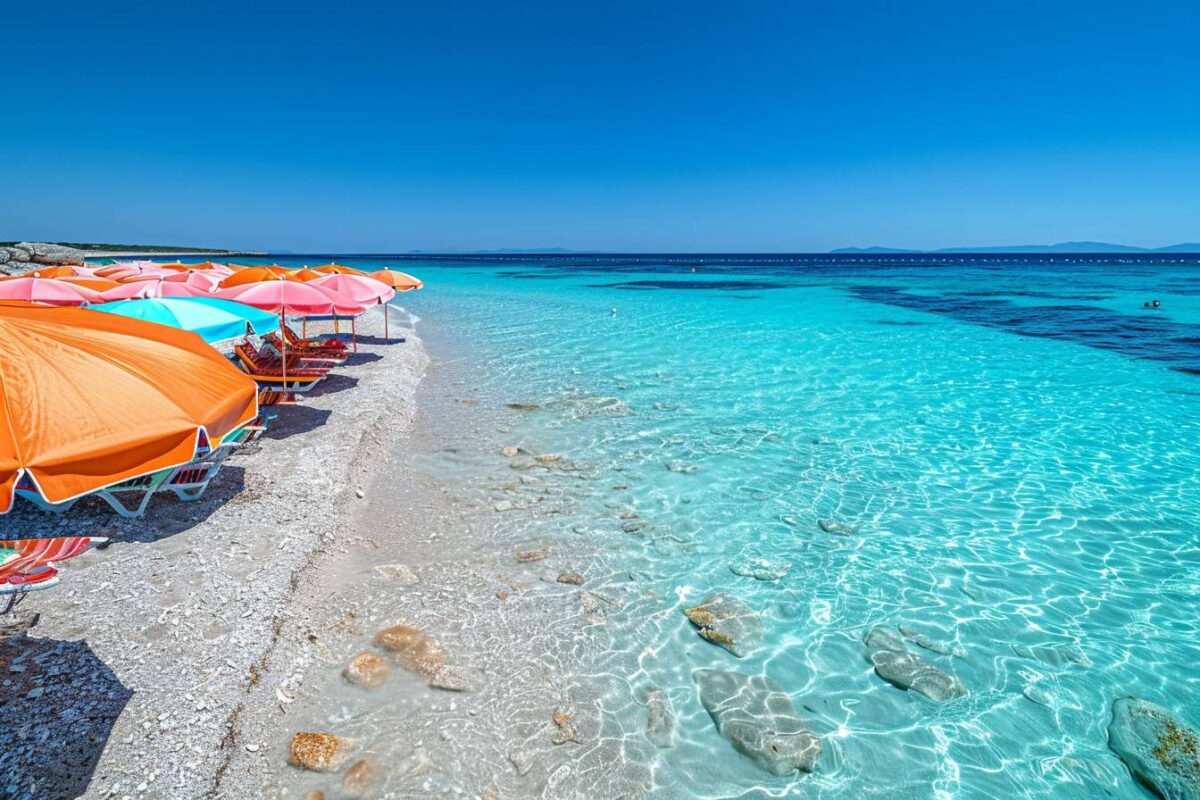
(902, 668)
(727, 622)
(759, 719)
(1160, 751)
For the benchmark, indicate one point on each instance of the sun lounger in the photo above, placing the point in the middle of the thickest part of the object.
(187, 482)
(268, 372)
(331, 351)
(29, 564)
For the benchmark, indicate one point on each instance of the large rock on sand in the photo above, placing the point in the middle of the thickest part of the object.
(320, 752)
(727, 622)
(902, 668)
(366, 670)
(759, 719)
(417, 651)
(1160, 751)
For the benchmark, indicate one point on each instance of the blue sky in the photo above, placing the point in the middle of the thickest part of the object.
(617, 126)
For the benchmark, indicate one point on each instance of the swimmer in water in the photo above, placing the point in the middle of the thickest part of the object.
(1157, 304)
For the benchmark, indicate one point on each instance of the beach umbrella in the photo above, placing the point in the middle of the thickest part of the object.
(210, 318)
(123, 267)
(400, 281)
(248, 275)
(93, 283)
(156, 288)
(46, 291)
(29, 564)
(304, 275)
(91, 400)
(292, 298)
(56, 272)
(338, 269)
(362, 290)
(205, 281)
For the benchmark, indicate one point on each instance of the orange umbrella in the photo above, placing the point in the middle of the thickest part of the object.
(304, 275)
(251, 275)
(339, 270)
(400, 281)
(51, 272)
(94, 399)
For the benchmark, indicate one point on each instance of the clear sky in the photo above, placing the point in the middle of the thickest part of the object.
(691, 126)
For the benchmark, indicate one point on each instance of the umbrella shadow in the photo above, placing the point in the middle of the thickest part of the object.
(60, 703)
(354, 359)
(376, 340)
(297, 419)
(166, 515)
(332, 383)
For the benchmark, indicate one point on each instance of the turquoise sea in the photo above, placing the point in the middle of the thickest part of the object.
(1010, 448)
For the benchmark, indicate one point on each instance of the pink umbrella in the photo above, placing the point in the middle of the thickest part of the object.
(158, 288)
(291, 297)
(47, 291)
(366, 291)
(204, 280)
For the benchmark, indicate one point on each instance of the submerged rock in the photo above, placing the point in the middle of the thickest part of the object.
(526, 556)
(901, 667)
(933, 645)
(509, 452)
(833, 526)
(1160, 751)
(319, 752)
(359, 780)
(881, 638)
(761, 569)
(907, 670)
(1055, 654)
(367, 670)
(759, 719)
(682, 466)
(564, 720)
(522, 406)
(660, 719)
(418, 652)
(572, 578)
(727, 622)
(398, 573)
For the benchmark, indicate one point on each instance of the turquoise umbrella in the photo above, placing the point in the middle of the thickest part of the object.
(212, 318)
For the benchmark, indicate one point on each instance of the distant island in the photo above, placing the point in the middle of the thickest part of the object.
(1061, 247)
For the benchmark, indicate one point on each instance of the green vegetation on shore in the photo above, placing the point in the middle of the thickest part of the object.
(130, 248)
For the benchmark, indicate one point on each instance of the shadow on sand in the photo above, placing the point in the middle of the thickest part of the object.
(165, 516)
(60, 703)
(297, 419)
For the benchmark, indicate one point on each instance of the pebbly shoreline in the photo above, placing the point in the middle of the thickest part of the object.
(147, 653)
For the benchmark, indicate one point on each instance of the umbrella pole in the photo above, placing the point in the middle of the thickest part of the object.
(386, 308)
(354, 332)
(283, 350)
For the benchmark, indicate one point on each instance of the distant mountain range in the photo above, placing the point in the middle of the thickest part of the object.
(1061, 247)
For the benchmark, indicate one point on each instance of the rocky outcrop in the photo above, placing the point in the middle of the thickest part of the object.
(15, 258)
(759, 719)
(727, 622)
(1160, 751)
(904, 669)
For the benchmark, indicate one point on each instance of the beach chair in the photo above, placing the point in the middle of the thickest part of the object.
(130, 498)
(30, 564)
(268, 372)
(331, 351)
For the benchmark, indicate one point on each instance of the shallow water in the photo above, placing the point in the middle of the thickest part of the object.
(1015, 448)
